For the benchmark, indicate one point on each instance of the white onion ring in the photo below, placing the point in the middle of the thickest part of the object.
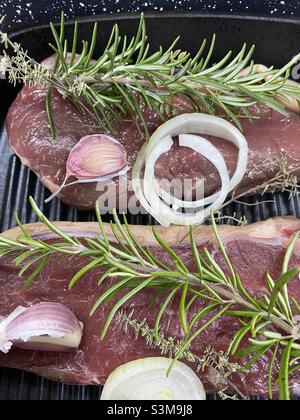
(149, 191)
(159, 207)
(137, 187)
(205, 125)
(205, 148)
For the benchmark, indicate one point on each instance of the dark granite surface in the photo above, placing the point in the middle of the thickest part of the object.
(23, 13)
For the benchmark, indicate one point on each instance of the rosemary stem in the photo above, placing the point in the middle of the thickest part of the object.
(154, 272)
(278, 322)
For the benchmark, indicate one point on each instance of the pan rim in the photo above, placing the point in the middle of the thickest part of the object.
(160, 15)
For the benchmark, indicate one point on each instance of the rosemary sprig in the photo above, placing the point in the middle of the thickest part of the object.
(268, 324)
(126, 75)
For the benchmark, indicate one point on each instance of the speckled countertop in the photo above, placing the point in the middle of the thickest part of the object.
(23, 13)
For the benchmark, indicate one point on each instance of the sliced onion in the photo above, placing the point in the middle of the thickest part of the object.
(147, 379)
(46, 326)
(157, 201)
(138, 187)
(159, 207)
(206, 125)
(211, 153)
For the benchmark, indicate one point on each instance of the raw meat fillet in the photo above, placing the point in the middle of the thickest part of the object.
(253, 250)
(269, 138)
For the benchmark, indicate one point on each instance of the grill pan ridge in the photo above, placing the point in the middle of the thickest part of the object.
(276, 41)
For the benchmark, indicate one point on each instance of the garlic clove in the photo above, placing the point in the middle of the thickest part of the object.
(46, 343)
(46, 326)
(96, 156)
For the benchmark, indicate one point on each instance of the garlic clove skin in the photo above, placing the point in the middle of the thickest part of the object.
(46, 326)
(96, 156)
(5, 343)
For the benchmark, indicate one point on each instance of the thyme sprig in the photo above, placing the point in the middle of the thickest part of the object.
(285, 180)
(268, 324)
(126, 74)
(218, 363)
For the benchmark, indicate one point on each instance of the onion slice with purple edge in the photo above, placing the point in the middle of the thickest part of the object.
(95, 158)
(158, 201)
(46, 326)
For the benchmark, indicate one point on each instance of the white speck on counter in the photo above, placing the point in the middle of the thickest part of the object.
(21, 13)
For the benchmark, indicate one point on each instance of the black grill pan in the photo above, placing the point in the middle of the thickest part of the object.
(276, 42)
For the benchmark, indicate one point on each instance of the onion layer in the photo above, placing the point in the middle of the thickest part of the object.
(46, 326)
(147, 379)
(157, 201)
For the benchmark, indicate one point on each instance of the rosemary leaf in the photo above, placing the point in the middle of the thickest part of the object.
(120, 303)
(271, 369)
(284, 392)
(162, 310)
(93, 264)
(36, 271)
(283, 280)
